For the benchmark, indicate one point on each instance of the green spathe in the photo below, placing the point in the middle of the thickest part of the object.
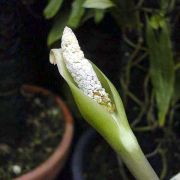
(114, 127)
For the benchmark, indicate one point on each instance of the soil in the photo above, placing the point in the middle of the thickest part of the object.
(29, 143)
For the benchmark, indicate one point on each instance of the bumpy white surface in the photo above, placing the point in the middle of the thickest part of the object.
(81, 70)
(176, 177)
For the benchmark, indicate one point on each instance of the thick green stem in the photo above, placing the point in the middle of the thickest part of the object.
(162, 120)
(135, 160)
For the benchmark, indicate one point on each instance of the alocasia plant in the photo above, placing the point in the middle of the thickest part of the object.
(100, 104)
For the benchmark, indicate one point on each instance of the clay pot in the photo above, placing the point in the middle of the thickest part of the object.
(49, 169)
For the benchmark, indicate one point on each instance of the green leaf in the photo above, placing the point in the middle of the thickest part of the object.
(76, 13)
(161, 68)
(98, 4)
(99, 14)
(88, 15)
(157, 21)
(167, 5)
(52, 8)
(177, 86)
(57, 28)
(125, 16)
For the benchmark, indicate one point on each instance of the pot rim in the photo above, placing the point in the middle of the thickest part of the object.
(51, 166)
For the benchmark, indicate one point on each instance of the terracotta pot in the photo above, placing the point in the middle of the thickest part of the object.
(49, 169)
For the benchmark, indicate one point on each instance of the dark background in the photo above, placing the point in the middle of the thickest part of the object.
(101, 44)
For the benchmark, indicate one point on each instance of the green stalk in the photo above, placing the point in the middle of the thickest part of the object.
(127, 147)
(162, 120)
(136, 161)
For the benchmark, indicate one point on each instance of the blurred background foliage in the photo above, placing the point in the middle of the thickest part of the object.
(150, 56)
(82, 10)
